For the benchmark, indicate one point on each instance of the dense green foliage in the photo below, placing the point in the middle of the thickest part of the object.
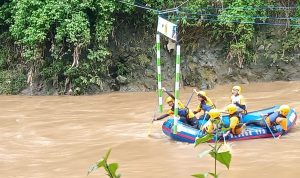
(53, 37)
(65, 44)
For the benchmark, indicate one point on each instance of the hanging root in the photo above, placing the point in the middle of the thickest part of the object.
(68, 87)
(240, 58)
(29, 77)
(76, 54)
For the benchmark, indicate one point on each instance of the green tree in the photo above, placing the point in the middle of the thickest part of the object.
(55, 34)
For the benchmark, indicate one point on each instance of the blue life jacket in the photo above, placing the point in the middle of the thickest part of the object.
(273, 116)
(182, 112)
(205, 106)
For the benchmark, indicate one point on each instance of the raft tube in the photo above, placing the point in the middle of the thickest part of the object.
(186, 133)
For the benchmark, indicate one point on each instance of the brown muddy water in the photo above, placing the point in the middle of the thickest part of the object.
(61, 136)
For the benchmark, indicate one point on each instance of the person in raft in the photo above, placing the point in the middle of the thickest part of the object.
(186, 116)
(278, 117)
(213, 123)
(205, 104)
(238, 100)
(235, 126)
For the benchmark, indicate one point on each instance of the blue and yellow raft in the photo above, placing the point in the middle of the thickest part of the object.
(186, 133)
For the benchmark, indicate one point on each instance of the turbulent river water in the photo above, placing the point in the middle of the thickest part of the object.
(61, 136)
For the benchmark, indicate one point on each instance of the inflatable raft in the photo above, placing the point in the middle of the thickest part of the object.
(186, 133)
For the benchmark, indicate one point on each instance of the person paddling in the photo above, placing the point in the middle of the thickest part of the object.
(186, 116)
(278, 117)
(274, 119)
(235, 126)
(205, 104)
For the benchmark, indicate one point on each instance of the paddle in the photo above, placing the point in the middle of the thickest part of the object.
(203, 120)
(264, 118)
(151, 123)
(189, 100)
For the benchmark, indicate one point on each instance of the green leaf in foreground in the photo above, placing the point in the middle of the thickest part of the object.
(223, 157)
(214, 175)
(113, 168)
(95, 166)
(107, 155)
(200, 175)
(203, 139)
(109, 168)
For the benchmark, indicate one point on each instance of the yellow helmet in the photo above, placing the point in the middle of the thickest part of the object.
(214, 113)
(238, 88)
(231, 108)
(169, 99)
(202, 93)
(284, 110)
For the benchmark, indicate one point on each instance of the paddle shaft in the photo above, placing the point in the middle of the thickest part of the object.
(203, 120)
(269, 128)
(151, 124)
(189, 100)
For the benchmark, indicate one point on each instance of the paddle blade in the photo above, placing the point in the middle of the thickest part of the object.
(149, 129)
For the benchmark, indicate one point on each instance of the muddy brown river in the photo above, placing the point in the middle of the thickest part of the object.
(61, 136)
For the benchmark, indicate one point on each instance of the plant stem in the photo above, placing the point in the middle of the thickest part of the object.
(108, 171)
(215, 158)
(216, 150)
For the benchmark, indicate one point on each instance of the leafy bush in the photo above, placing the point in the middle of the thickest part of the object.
(54, 37)
(12, 82)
